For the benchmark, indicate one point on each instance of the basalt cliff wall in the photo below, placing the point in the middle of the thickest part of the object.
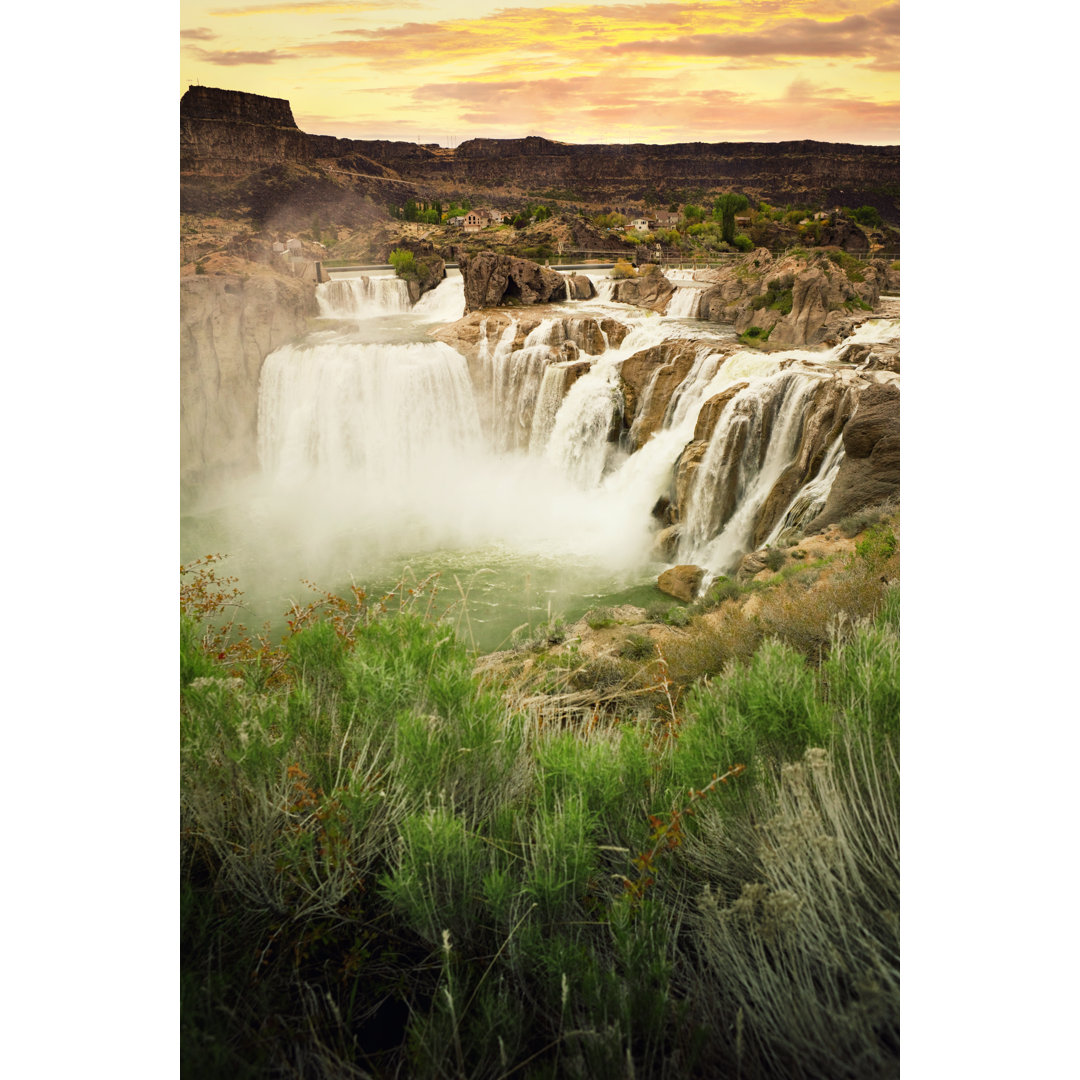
(228, 134)
(229, 324)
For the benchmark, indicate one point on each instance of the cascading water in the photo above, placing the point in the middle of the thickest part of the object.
(382, 414)
(362, 297)
(756, 439)
(685, 303)
(396, 448)
(811, 498)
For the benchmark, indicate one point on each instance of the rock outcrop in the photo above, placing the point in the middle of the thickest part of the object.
(229, 324)
(493, 280)
(652, 291)
(430, 267)
(870, 471)
(794, 300)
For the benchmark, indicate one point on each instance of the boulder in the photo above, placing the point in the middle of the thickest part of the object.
(682, 582)
(645, 291)
(492, 280)
(580, 287)
(753, 562)
(615, 330)
(870, 471)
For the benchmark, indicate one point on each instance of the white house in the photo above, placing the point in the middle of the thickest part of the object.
(642, 224)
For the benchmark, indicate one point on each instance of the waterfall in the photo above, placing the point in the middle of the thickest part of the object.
(579, 446)
(384, 415)
(401, 446)
(444, 303)
(685, 303)
(756, 439)
(548, 402)
(362, 297)
(811, 498)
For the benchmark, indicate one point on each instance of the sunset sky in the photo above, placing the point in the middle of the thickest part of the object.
(605, 71)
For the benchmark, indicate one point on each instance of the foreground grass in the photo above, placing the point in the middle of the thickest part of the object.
(388, 871)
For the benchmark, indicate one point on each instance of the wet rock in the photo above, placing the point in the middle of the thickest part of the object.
(666, 543)
(649, 378)
(580, 287)
(870, 471)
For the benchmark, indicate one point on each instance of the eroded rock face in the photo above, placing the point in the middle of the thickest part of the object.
(492, 280)
(649, 378)
(229, 324)
(682, 582)
(870, 471)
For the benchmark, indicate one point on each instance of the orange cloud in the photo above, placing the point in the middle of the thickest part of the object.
(317, 7)
(655, 109)
(236, 57)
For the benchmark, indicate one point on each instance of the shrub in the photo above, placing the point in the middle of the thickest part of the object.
(849, 264)
(404, 262)
(743, 242)
(599, 618)
(853, 524)
(723, 588)
(637, 647)
(755, 336)
(879, 544)
(774, 559)
(868, 215)
(677, 616)
(623, 269)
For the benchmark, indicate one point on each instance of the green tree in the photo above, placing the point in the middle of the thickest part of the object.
(868, 215)
(724, 210)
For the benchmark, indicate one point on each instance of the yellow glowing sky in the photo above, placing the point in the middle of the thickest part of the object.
(605, 71)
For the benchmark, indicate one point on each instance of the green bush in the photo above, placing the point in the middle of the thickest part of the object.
(774, 559)
(637, 647)
(404, 262)
(879, 544)
(743, 242)
(415, 873)
(677, 616)
(599, 618)
(868, 215)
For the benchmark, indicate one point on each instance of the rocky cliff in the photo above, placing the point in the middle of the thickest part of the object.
(229, 324)
(224, 134)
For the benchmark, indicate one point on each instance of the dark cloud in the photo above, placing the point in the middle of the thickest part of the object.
(199, 33)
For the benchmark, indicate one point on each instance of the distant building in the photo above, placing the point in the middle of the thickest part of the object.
(642, 224)
(279, 248)
(294, 246)
(459, 220)
(475, 220)
(667, 220)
